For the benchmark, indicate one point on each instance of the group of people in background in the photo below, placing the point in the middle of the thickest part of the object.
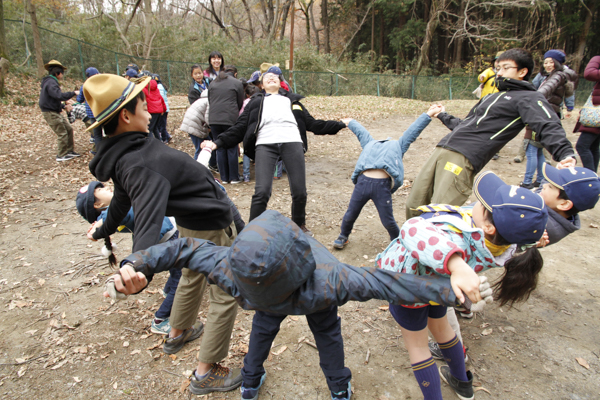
(186, 223)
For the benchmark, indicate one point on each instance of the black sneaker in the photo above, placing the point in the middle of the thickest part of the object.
(66, 157)
(526, 185)
(464, 390)
(437, 354)
(218, 379)
(173, 345)
(74, 154)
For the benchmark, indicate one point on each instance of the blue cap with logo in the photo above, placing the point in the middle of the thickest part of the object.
(581, 185)
(132, 73)
(91, 71)
(274, 70)
(85, 201)
(254, 77)
(520, 215)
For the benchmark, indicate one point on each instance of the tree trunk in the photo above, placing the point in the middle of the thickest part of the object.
(437, 6)
(325, 24)
(583, 36)
(381, 34)
(372, 32)
(458, 42)
(250, 26)
(3, 48)
(37, 43)
(284, 15)
(314, 26)
(401, 23)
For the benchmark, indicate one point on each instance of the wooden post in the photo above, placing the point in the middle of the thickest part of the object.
(293, 8)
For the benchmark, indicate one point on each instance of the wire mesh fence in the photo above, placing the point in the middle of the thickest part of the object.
(78, 55)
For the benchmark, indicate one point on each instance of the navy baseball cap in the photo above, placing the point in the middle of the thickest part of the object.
(581, 185)
(274, 70)
(85, 201)
(254, 77)
(132, 66)
(91, 71)
(131, 73)
(520, 215)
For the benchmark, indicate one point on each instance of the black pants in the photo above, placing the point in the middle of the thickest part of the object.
(266, 156)
(327, 330)
(588, 148)
(153, 127)
(227, 159)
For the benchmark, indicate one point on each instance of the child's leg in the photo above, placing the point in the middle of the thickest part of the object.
(360, 196)
(164, 311)
(278, 168)
(532, 162)
(450, 345)
(153, 127)
(246, 167)
(197, 142)
(327, 330)
(381, 195)
(541, 160)
(265, 327)
(413, 324)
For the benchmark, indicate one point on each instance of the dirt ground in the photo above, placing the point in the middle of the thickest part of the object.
(60, 338)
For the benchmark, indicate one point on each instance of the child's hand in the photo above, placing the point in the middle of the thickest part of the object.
(545, 239)
(346, 120)
(128, 282)
(209, 144)
(566, 163)
(463, 279)
(90, 232)
(435, 109)
(76, 92)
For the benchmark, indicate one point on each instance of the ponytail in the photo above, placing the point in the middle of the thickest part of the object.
(107, 251)
(520, 277)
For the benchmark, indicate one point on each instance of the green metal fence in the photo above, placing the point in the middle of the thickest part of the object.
(78, 55)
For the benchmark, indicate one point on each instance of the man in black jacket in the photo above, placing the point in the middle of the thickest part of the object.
(447, 177)
(158, 180)
(51, 104)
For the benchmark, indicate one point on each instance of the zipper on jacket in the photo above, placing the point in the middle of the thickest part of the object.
(505, 128)
(544, 108)
(490, 106)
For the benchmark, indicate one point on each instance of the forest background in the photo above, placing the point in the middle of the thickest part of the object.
(393, 37)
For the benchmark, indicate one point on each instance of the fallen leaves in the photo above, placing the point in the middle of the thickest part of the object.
(582, 362)
(280, 350)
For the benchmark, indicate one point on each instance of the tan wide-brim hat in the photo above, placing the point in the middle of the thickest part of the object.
(106, 94)
(54, 63)
(265, 66)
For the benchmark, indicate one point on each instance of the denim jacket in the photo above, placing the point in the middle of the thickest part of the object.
(386, 154)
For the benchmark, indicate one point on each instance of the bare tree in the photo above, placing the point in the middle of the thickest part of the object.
(325, 24)
(435, 11)
(3, 48)
(37, 43)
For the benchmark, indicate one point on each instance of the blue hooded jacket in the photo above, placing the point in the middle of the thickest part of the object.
(386, 154)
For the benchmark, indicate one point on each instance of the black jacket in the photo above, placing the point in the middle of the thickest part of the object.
(51, 97)
(225, 97)
(158, 181)
(246, 127)
(498, 118)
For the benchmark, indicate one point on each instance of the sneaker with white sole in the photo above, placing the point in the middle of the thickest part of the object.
(464, 390)
(173, 345)
(66, 157)
(74, 154)
(162, 328)
(252, 393)
(218, 379)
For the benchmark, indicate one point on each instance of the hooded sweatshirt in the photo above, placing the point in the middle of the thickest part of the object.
(558, 226)
(157, 180)
(273, 266)
(51, 97)
(156, 103)
(498, 118)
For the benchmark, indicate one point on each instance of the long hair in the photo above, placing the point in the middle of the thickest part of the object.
(112, 260)
(226, 71)
(215, 54)
(520, 275)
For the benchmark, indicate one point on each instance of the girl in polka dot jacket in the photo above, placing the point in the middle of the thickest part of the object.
(501, 230)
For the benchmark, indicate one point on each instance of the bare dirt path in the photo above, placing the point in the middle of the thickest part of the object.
(60, 339)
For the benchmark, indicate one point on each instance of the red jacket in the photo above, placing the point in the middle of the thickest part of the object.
(156, 104)
(592, 73)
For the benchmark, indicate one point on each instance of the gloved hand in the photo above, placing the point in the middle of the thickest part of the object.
(110, 289)
(486, 294)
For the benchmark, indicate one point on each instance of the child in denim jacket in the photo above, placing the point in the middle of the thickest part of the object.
(379, 172)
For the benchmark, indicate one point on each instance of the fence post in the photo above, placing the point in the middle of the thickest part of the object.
(117, 62)
(294, 83)
(169, 74)
(81, 59)
(450, 87)
(377, 85)
(337, 88)
(412, 90)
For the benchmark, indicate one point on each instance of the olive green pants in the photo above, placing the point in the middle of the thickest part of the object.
(446, 178)
(222, 309)
(61, 126)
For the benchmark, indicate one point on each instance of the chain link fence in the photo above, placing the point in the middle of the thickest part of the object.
(78, 55)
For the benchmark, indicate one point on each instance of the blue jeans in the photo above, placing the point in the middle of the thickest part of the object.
(378, 190)
(327, 330)
(535, 161)
(227, 159)
(164, 311)
(292, 155)
(279, 168)
(246, 166)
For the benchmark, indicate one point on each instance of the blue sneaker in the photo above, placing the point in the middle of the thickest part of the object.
(340, 242)
(343, 395)
(162, 328)
(252, 393)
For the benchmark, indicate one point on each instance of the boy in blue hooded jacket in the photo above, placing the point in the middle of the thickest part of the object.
(379, 172)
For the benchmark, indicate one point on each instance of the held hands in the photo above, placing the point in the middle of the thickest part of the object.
(128, 282)
(566, 163)
(68, 108)
(435, 109)
(209, 144)
(90, 232)
(346, 120)
(76, 92)
(463, 279)
(544, 240)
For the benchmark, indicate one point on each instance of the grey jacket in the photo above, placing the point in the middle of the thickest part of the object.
(195, 121)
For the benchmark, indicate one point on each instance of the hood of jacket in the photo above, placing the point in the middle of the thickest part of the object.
(270, 259)
(507, 84)
(110, 150)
